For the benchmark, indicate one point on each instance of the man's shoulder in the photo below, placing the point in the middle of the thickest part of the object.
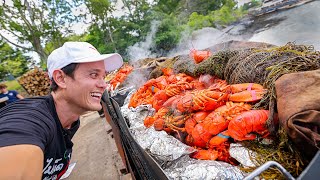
(28, 106)
(34, 101)
(28, 113)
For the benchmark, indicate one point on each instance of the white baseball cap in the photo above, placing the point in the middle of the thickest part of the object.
(80, 52)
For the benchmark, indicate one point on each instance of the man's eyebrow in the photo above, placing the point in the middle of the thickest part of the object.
(98, 71)
(95, 70)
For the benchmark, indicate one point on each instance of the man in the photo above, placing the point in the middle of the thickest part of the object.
(12, 95)
(35, 133)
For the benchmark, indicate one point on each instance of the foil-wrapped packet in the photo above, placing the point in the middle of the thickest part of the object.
(187, 168)
(242, 154)
(160, 145)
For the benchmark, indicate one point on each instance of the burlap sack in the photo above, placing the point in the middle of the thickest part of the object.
(298, 103)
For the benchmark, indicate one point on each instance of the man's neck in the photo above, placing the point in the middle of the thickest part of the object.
(66, 113)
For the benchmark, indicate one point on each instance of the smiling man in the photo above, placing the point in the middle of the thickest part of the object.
(35, 133)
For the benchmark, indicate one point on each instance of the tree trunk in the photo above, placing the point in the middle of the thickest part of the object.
(111, 37)
(36, 41)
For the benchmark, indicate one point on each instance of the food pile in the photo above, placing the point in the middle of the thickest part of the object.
(226, 98)
(120, 76)
(203, 112)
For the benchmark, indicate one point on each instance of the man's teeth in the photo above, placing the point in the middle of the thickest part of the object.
(95, 95)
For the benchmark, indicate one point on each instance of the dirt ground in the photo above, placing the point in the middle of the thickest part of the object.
(94, 151)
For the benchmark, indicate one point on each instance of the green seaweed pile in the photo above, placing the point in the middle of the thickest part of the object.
(281, 151)
(216, 64)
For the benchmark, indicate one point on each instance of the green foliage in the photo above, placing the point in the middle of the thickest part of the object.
(203, 7)
(12, 62)
(94, 38)
(13, 85)
(167, 6)
(168, 34)
(252, 4)
(198, 21)
(227, 14)
(223, 16)
(46, 25)
(36, 23)
(115, 34)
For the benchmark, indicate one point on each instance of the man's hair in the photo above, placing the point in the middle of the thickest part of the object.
(2, 86)
(68, 70)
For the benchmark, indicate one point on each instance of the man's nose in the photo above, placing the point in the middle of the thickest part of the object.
(102, 83)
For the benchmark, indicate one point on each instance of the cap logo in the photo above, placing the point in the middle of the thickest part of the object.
(93, 48)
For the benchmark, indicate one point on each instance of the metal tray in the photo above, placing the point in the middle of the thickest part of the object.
(142, 166)
(139, 163)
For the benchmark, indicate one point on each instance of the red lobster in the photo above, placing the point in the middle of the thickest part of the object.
(199, 56)
(244, 125)
(201, 100)
(246, 92)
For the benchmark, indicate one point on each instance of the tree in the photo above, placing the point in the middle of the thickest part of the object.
(199, 21)
(102, 11)
(167, 6)
(204, 6)
(114, 34)
(12, 61)
(168, 34)
(33, 23)
(139, 15)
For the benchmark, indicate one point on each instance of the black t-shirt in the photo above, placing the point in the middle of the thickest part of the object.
(35, 121)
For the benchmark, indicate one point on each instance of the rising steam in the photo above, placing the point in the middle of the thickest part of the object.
(201, 39)
(141, 50)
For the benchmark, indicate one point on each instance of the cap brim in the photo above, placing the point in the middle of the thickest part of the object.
(111, 61)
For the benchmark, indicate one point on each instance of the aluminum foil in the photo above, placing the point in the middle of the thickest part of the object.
(157, 143)
(242, 154)
(173, 155)
(135, 116)
(127, 100)
(188, 168)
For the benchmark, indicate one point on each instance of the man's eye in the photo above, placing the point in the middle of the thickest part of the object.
(94, 75)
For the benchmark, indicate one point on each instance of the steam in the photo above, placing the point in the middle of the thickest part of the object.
(202, 39)
(141, 50)
(137, 78)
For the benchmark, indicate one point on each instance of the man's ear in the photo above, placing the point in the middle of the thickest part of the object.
(59, 77)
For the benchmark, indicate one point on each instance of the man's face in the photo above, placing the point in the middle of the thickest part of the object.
(85, 90)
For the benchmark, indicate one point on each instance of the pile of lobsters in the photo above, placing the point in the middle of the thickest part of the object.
(205, 112)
